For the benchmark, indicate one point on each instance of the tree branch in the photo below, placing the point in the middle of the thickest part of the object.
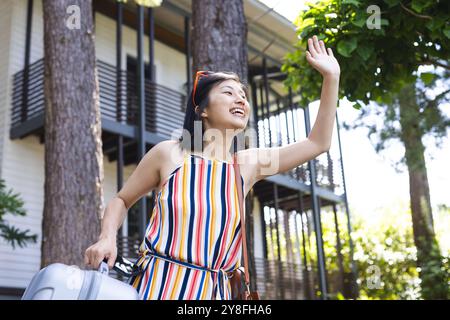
(436, 63)
(415, 14)
(436, 101)
(442, 94)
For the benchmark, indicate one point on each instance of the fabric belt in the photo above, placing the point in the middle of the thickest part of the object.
(222, 278)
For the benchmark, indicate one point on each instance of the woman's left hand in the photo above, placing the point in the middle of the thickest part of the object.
(321, 58)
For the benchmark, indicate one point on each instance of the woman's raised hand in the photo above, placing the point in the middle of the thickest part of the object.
(321, 58)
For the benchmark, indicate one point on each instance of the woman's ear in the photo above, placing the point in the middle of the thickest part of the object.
(204, 114)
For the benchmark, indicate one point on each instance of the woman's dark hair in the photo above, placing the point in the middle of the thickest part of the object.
(199, 96)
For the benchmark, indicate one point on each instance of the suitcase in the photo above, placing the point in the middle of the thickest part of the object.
(61, 282)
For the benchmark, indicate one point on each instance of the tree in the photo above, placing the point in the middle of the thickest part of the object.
(73, 148)
(380, 46)
(12, 204)
(219, 24)
(222, 24)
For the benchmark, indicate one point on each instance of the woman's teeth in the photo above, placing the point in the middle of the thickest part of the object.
(237, 112)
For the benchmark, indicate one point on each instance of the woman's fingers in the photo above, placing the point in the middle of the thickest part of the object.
(322, 46)
(87, 256)
(95, 254)
(86, 260)
(111, 260)
(312, 49)
(309, 57)
(316, 44)
(92, 257)
(330, 52)
(99, 256)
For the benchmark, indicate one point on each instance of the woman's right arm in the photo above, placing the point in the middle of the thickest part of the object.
(144, 179)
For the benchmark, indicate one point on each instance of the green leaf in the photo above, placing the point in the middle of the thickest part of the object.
(354, 2)
(149, 3)
(435, 24)
(391, 3)
(346, 47)
(447, 32)
(427, 77)
(340, 296)
(419, 5)
(384, 22)
(365, 51)
(360, 22)
(12, 204)
(145, 3)
(357, 106)
(306, 23)
(305, 32)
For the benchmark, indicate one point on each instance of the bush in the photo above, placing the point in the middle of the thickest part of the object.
(12, 204)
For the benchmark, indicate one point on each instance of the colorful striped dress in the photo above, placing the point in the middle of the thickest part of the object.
(193, 239)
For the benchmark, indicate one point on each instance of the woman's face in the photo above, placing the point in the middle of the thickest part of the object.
(228, 107)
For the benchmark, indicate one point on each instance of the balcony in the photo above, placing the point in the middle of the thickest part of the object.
(119, 112)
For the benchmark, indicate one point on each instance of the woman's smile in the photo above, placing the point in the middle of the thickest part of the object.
(238, 112)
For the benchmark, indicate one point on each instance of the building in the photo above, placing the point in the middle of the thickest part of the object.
(286, 207)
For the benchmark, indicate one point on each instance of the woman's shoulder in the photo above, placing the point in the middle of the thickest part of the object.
(245, 155)
(171, 151)
(168, 146)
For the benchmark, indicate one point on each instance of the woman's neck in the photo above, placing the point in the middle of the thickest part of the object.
(226, 157)
(218, 152)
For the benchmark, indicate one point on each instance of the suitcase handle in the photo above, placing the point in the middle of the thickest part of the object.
(104, 268)
(122, 266)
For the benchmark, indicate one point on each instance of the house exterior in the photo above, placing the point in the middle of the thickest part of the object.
(285, 208)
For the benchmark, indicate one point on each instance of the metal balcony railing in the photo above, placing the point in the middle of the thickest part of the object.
(282, 126)
(164, 106)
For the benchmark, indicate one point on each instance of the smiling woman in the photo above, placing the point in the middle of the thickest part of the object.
(214, 97)
(193, 242)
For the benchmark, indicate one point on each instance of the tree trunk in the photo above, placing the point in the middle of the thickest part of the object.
(429, 259)
(73, 148)
(217, 25)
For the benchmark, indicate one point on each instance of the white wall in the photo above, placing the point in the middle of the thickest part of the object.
(12, 52)
(5, 26)
(170, 64)
(22, 160)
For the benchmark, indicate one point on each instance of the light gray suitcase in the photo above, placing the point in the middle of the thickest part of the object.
(61, 282)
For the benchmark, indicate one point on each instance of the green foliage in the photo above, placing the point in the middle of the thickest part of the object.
(386, 257)
(12, 204)
(380, 46)
(433, 274)
(384, 252)
(145, 3)
(427, 77)
(375, 62)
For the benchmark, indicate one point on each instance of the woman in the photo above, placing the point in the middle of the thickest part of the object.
(193, 239)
